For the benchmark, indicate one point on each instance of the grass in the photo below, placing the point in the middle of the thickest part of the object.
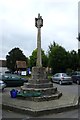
(26, 77)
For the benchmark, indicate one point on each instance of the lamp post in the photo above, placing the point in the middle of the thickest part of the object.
(79, 49)
(78, 43)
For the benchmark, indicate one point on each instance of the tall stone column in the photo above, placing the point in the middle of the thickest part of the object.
(39, 59)
(39, 24)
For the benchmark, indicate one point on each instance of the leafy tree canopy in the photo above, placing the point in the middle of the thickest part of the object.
(14, 55)
(33, 58)
(57, 57)
(60, 60)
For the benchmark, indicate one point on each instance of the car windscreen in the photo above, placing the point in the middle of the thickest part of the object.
(78, 73)
(64, 75)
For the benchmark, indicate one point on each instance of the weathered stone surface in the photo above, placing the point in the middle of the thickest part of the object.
(39, 24)
(39, 81)
(39, 60)
(39, 73)
(43, 91)
(43, 97)
(45, 85)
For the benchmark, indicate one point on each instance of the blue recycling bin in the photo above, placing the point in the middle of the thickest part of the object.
(13, 93)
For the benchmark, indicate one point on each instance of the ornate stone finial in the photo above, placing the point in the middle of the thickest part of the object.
(38, 15)
(39, 21)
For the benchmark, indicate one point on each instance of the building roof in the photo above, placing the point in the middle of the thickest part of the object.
(21, 64)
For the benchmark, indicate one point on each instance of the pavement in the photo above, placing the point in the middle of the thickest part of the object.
(64, 103)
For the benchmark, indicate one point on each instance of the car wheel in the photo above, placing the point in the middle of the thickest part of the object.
(51, 80)
(78, 82)
(71, 83)
(60, 82)
(2, 89)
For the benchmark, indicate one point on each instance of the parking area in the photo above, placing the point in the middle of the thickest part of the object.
(68, 89)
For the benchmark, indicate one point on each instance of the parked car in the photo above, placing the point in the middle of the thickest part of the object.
(8, 71)
(2, 85)
(76, 77)
(12, 80)
(61, 78)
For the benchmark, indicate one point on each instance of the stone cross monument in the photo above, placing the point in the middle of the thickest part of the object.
(39, 24)
(39, 82)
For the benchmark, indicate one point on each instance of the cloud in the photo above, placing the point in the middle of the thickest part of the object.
(17, 24)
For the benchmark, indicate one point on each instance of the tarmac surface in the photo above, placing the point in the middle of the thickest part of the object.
(64, 103)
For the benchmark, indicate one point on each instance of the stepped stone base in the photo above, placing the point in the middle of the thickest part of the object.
(39, 83)
(43, 97)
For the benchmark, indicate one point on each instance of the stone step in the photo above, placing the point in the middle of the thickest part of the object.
(45, 85)
(38, 81)
(43, 91)
(43, 98)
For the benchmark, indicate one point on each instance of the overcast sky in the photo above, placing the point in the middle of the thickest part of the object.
(17, 24)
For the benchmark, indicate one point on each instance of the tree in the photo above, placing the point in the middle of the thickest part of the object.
(57, 58)
(33, 58)
(14, 55)
(61, 61)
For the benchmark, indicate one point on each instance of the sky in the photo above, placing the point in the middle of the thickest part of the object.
(79, 23)
(17, 25)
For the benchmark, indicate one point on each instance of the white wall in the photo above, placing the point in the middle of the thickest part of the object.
(3, 69)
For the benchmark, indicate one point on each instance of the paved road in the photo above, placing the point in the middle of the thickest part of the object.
(0, 114)
(69, 114)
(67, 89)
